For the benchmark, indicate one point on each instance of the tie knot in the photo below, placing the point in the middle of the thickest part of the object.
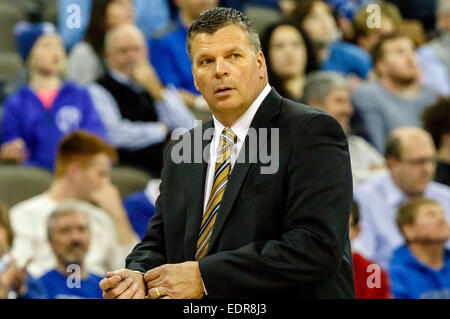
(228, 136)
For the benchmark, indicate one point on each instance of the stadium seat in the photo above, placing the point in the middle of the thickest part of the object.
(11, 72)
(10, 14)
(262, 17)
(50, 11)
(129, 179)
(19, 183)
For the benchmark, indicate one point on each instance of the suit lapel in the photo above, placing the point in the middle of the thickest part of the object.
(195, 193)
(269, 108)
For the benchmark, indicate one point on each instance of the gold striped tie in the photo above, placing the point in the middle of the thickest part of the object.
(221, 173)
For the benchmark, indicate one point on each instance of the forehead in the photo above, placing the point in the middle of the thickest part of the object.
(70, 218)
(48, 38)
(429, 207)
(284, 31)
(127, 38)
(99, 160)
(398, 42)
(416, 146)
(226, 38)
(340, 91)
(319, 8)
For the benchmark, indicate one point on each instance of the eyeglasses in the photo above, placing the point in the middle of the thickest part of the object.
(419, 161)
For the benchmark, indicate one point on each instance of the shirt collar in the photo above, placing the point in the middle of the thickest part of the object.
(241, 126)
(124, 79)
(394, 196)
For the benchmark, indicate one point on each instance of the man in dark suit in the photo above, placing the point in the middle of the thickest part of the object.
(224, 228)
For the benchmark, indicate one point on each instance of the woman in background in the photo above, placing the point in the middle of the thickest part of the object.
(316, 19)
(289, 58)
(39, 113)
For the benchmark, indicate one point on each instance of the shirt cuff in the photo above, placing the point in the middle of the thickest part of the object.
(204, 288)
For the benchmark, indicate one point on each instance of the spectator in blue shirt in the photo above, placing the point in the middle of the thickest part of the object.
(168, 51)
(69, 236)
(140, 206)
(421, 268)
(316, 18)
(41, 112)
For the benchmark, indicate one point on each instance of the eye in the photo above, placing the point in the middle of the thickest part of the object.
(205, 61)
(235, 56)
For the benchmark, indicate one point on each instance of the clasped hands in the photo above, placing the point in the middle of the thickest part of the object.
(170, 281)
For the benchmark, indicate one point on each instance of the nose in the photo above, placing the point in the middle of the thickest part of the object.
(76, 235)
(221, 68)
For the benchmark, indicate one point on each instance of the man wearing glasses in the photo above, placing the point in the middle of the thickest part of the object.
(410, 158)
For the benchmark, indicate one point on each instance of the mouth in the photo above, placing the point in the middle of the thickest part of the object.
(223, 91)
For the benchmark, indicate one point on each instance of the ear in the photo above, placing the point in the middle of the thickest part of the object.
(107, 55)
(195, 80)
(357, 230)
(390, 162)
(379, 68)
(408, 232)
(72, 170)
(445, 139)
(262, 67)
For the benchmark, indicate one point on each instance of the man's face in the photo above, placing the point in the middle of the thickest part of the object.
(430, 224)
(399, 62)
(416, 167)
(196, 7)
(338, 104)
(119, 12)
(70, 237)
(287, 52)
(48, 55)
(93, 177)
(126, 49)
(227, 71)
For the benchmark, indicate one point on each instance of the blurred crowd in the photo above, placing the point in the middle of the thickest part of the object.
(91, 88)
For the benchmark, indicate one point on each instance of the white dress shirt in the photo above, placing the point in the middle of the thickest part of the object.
(240, 128)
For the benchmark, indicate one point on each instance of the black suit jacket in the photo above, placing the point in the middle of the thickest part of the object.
(275, 235)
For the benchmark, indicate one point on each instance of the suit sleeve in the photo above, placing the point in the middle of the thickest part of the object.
(151, 251)
(315, 225)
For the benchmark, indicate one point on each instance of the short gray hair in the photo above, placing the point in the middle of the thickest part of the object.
(320, 83)
(66, 207)
(217, 18)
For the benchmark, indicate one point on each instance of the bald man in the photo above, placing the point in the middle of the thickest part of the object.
(137, 110)
(410, 158)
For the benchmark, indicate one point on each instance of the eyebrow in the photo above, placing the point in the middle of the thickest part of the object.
(232, 49)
